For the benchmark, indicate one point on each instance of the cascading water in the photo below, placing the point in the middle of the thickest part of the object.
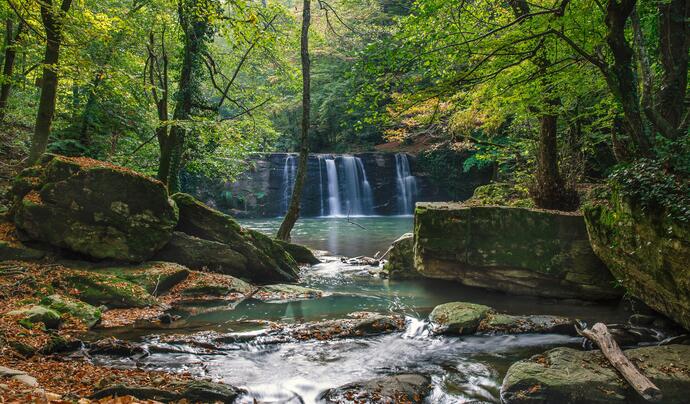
(406, 184)
(357, 191)
(333, 191)
(320, 158)
(289, 174)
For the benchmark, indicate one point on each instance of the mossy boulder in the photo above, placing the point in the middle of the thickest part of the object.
(647, 250)
(516, 250)
(94, 208)
(105, 289)
(457, 317)
(37, 314)
(202, 283)
(229, 248)
(156, 277)
(400, 264)
(565, 375)
(89, 314)
(300, 253)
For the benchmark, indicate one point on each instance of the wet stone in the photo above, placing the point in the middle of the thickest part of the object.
(402, 388)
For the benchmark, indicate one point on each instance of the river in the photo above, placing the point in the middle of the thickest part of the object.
(463, 369)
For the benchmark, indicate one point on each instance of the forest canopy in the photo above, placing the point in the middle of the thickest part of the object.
(552, 93)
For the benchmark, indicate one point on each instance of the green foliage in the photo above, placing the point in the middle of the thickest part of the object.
(653, 187)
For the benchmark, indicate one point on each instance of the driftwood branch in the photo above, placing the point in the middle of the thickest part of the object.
(599, 334)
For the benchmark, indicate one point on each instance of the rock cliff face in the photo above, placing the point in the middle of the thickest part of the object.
(647, 251)
(360, 183)
(516, 250)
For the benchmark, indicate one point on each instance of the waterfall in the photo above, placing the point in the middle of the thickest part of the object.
(358, 200)
(289, 174)
(406, 184)
(321, 200)
(333, 191)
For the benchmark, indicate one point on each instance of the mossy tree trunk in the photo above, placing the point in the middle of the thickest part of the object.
(52, 17)
(8, 64)
(293, 210)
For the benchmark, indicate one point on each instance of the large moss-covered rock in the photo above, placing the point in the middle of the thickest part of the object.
(647, 251)
(93, 208)
(11, 248)
(565, 375)
(516, 250)
(400, 264)
(220, 244)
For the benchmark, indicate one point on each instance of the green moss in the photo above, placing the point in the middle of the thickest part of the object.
(108, 290)
(87, 313)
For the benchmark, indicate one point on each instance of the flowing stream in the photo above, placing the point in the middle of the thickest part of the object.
(462, 369)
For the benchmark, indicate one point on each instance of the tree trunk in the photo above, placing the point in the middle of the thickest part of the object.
(293, 210)
(621, 77)
(52, 21)
(674, 43)
(8, 68)
(549, 190)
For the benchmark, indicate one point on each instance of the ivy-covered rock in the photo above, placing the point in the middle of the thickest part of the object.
(37, 314)
(457, 317)
(94, 208)
(565, 375)
(105, 289)
(89, 314)
(207, 238)
(400, 264)
(516, 250)
(647, 248)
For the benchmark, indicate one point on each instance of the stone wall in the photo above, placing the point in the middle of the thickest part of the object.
(516, 250)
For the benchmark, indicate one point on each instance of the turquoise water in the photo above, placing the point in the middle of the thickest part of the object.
(463, 369)
(341, 236)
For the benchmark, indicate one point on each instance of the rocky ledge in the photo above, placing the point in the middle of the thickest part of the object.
(516, 250)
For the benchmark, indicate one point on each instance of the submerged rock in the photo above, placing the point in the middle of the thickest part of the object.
(93, 208)
(646, 250)
(286, 292)
(516, 250)
(457, 317)
(89, 314)
(402, 388)
(400, 264)
(565, 375)
(207, 238)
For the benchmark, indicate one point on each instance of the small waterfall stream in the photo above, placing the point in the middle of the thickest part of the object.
(289, 175)
(406, 184)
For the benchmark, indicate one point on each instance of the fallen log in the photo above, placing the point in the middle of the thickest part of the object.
(600, 335)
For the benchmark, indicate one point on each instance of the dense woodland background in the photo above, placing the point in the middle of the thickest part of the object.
(553, 94)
